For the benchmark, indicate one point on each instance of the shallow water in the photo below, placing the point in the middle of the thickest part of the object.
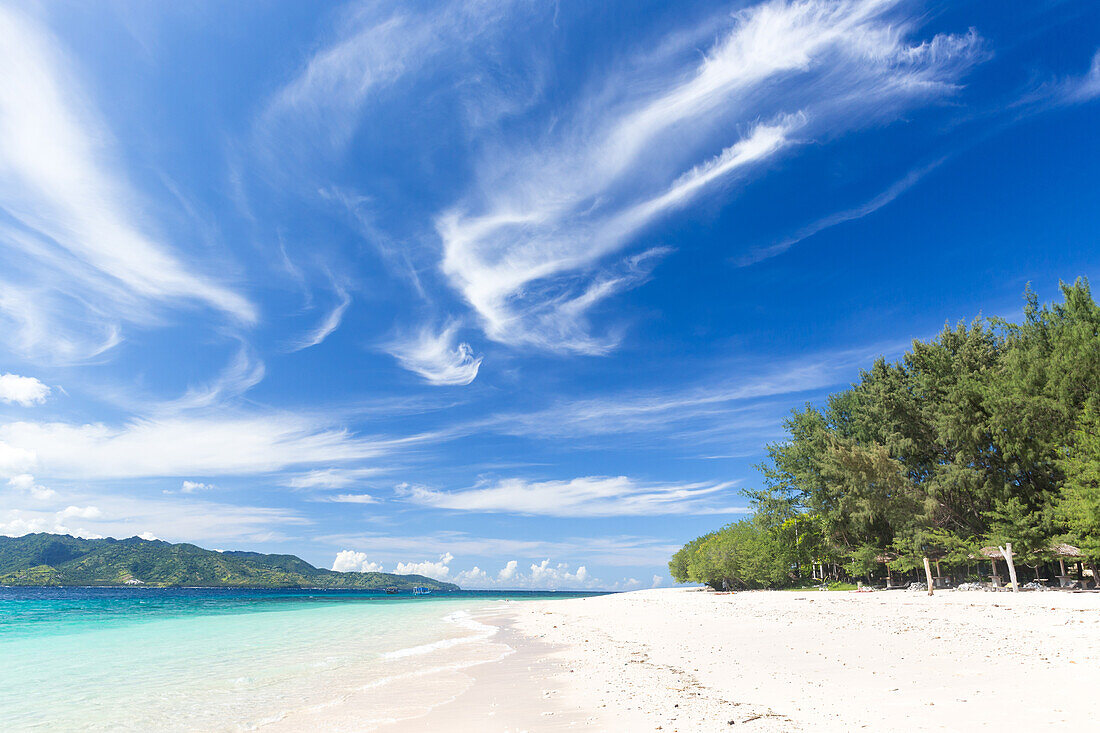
(213, 659)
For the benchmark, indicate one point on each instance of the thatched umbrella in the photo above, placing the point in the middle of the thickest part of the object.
(886, 558)
(1064, 552)
(992, 553)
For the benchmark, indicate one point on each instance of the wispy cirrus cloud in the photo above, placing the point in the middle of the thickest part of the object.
(729, 399)
(529, 245)
(242, 373)
(587, 496)
(896, 189)
(68, 205)
(370, 48)
(1087, 87)
(328, 324)
(175, 519)
(438, 358)
(187, 444)
(330, 478)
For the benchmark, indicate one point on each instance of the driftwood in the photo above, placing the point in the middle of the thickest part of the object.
(1006, 552)
(928, 575)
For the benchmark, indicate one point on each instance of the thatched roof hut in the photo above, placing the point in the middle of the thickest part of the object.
(991, 553)
(1066, 552)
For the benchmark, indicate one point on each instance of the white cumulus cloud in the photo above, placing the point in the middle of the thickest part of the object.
(25, 391)
(349, 561)
(438, 570)
(508, 571)
(25, 482)
(81, 512)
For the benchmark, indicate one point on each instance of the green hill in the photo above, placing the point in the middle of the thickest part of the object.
(52, 559)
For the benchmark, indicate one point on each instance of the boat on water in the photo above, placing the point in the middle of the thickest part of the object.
(391, 591)
(421, 591)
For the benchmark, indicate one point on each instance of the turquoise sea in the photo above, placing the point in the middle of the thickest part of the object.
(213, 659)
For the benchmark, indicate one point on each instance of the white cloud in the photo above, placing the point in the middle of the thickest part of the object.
(18, 526)
(25, 391)
(508, 571)
(80, 512)
(436, 357)
(81, 230)
(26, 483)
(658, 581)
(1083, 88)
(349, 561)
(190, 487)
(892, 192)
(588, 496)
(473, 577)
(438, 570)
(328, 324)
(15, 460)
(375, 46)
(531, 247)
(709, 403)
(117, 515)
(330, 478)
(614, 550)
(182, 446)
(545, 575)
(242, 374)
(354, 499)
(147, 535)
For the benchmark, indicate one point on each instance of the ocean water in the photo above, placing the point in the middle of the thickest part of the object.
(211, 659)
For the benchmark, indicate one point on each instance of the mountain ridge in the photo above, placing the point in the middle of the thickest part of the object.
(44, 559)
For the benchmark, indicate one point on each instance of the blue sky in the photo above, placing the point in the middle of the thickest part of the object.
(510, 293)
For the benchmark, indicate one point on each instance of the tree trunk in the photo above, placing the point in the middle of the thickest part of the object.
(928, 575)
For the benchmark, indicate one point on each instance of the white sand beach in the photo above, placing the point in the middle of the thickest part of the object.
(691, 660)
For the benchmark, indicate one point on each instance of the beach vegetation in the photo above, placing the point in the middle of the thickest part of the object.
(988, 433)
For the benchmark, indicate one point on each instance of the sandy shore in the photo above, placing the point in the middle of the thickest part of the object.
(687, 660)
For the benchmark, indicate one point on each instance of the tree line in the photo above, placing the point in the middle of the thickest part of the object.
(988, 433)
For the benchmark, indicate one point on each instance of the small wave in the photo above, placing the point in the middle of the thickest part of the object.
(461, 619)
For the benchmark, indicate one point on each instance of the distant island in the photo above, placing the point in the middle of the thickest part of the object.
(43, 559)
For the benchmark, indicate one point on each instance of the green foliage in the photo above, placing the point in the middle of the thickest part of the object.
(50, 559)
(988, 433)
(1079, 504)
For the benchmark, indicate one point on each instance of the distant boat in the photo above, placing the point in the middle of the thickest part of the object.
(390, 591)
(422, 591)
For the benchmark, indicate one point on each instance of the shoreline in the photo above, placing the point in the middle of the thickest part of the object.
(691, 660)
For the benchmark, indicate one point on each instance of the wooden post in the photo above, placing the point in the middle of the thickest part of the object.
(1006, 551)
(928, 575)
